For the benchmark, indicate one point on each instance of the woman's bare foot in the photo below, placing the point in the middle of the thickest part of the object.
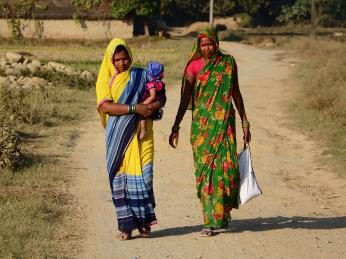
(144, 232)
(207, 232)
(125, 236)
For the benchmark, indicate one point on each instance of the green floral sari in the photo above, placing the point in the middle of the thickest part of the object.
(213, 136)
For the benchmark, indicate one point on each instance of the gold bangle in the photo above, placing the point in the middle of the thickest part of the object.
(245, 124)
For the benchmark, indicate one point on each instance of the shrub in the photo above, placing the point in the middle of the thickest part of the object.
(11, 156)
(244, 20)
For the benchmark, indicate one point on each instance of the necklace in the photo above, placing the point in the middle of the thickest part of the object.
(205, 61)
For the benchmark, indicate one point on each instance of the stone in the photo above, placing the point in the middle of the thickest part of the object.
(32, 67)
(18, 66)
(12, 72)
(56, 66)
(87, 76)
(23, 80)
(13, 57)
(26, 61)
(3, 62)
(337, 34)
(35, 82)
(36, 62)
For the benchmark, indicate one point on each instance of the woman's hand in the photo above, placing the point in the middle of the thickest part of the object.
(247, 135)
(146, 110)
(173, 139)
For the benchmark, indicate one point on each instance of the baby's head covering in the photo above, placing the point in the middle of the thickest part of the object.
(154, 71)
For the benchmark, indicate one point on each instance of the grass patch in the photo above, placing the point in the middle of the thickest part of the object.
(35, 214)
(320, 105)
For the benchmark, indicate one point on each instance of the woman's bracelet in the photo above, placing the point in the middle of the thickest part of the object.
(175, 129)
(245, 124)
(132, 108)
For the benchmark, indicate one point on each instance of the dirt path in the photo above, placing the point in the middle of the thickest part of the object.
(302, 213)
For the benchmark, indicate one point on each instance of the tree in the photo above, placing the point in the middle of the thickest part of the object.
(264, 12)
(328, 12)
(296, 13)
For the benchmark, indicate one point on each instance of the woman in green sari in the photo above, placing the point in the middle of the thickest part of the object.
(211, 82)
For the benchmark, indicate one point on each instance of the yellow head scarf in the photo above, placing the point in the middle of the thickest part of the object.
(110, 84)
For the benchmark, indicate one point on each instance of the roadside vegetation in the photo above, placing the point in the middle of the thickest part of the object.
(320, 106)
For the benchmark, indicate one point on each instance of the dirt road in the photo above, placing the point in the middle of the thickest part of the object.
(302, 213)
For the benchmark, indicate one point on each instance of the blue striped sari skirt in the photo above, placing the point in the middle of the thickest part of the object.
(132, 194)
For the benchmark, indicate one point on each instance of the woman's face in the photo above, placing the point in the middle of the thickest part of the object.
(207, 47)
(121, 61)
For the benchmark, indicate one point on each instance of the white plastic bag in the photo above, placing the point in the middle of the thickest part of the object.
(248, 186)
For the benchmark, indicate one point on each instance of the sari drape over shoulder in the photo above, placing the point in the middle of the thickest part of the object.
(213, 136)
(129, 160)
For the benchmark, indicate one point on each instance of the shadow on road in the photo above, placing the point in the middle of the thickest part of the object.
(263, 224)
(279, 222)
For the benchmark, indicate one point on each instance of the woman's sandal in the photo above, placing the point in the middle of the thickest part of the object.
(207, 232)
(144, 232)
(125, 236)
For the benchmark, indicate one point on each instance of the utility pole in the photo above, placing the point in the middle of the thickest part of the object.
(313, 19)
(211, 15)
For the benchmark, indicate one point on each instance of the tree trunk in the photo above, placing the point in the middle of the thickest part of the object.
(313, 19)
(211, 14)
(146, 28)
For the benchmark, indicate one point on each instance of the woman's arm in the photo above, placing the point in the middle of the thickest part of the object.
(238, 100)
(116, 109)
(186, 94)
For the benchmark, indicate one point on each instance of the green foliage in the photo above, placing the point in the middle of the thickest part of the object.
(86, 4)
(328, 12)
(121, 8)
(14, 26)
(16, 9)
(295, 13)
(11, 155)
(244, 20)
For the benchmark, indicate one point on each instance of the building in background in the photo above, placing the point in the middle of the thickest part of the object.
(59, 19)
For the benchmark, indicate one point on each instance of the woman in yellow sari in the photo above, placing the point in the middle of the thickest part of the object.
(119, 89)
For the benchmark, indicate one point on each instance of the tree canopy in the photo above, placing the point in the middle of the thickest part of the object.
(182, 12)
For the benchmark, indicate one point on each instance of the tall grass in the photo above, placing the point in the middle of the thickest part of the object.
(322, 93)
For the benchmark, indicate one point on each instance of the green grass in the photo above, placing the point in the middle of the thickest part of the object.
(35, 214)
(320, 103)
